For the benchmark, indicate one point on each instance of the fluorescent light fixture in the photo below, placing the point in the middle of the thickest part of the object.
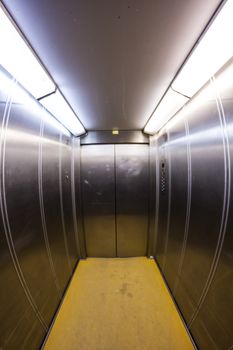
(20, 61)
(9, 88)
(6, 85)
(223, 82)
(57, 105)
(170, 104)
(211, 53)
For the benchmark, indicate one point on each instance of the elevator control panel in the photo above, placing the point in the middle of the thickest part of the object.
(163, 177)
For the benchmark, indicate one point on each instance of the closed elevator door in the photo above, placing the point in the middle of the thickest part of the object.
(115, 199)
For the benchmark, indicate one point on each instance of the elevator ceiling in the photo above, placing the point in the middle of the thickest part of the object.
(112, 59)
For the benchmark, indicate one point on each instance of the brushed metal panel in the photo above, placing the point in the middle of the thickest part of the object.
(20, 328)
(213, 325)
(207, 157)
(65, 164)
(98, 191)
(51, 203)
(200, 238)
(200, 164)
(21, 159)
(176, 230)
(35, 171)
(132, 199)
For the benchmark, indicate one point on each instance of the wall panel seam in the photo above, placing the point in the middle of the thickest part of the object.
(115, 198)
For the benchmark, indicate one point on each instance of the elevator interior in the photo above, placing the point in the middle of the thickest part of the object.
(114, 236)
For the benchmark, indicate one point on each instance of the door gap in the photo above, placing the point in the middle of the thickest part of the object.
(115, 199)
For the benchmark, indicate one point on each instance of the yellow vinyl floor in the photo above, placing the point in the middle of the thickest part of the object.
(118, 304)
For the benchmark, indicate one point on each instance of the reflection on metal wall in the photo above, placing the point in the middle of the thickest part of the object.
(98, 189)
(194, 211)
(38, 250)
(131, 199)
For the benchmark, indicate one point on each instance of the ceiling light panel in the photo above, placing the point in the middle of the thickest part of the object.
(170, 104)
(57, 105)
(20, 61)
(211, 53)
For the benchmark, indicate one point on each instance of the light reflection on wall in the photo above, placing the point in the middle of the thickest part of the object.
(17, 97)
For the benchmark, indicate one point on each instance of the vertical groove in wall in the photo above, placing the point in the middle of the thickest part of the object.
(167, 152)
(148, 235)
(73, 197)
(188, 207)
(226, 202)
(115, 188)
(42, 211)
(61, 204)
(4, 212)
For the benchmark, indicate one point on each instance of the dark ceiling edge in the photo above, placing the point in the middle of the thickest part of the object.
(106, 137)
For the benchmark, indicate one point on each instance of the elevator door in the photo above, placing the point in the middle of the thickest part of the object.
(115, 199)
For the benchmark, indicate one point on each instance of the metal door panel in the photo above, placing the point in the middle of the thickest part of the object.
(98, 191)
(132, 182)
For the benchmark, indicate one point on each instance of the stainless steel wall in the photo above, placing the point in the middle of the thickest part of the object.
(39, 236)
(193, 213)
(115, 184)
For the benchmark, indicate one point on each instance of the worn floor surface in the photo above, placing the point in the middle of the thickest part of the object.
(118, 304)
